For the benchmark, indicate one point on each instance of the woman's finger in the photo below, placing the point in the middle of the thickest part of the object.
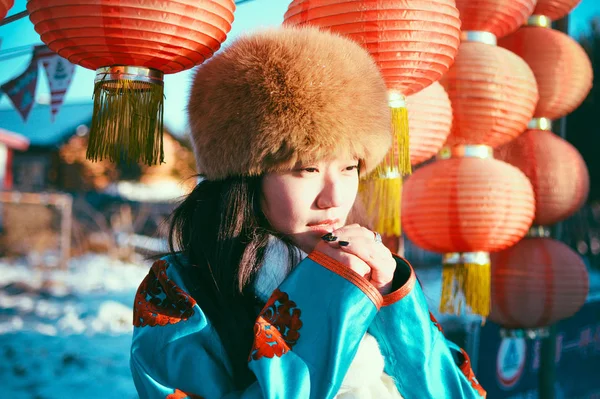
(374, 254)
(352, 230)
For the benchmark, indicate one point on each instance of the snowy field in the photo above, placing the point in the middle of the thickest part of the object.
(67, 334)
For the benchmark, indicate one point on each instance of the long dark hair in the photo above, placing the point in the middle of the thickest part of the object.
(223, 233)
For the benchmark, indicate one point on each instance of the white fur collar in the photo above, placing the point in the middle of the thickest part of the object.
(365, 378)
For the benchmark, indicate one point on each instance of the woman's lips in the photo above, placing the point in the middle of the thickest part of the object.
(324, 226)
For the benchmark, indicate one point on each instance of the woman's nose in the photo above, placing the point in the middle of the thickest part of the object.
(331, 193)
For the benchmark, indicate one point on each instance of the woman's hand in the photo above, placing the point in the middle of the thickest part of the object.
(355, 246)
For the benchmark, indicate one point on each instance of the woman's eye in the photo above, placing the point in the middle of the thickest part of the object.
(310, 170)
(353, 167)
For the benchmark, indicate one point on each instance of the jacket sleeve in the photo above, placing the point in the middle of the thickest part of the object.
(419, 358)
(305, 339)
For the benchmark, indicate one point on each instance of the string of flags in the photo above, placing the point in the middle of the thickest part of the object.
(21, 89)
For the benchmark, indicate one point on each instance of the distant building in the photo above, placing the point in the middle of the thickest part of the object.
(55, 159)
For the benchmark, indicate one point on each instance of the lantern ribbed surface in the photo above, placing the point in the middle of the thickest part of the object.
(414, 42)
(467, 205)
(536, 283)
(556, 169)
(562, 68)
(499, 17)
(429, 122)
(493, 94)
(555, 9)
(170, 36)
(5, 5)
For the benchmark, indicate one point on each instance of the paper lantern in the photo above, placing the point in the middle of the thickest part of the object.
(554, 9)
(536, 283)
(499, 17)
(429, 122)
(561, 67)
(466, 206)
(413, 43)
(5, 5)
(131, 44)
(493, 94)
(556, 170)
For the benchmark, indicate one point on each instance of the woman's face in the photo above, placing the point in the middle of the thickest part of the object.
(310, 200)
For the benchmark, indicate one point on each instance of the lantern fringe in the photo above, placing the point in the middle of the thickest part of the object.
(382, 190)
(127, 122)
(381, 197)
(397, 159)
(466, 284)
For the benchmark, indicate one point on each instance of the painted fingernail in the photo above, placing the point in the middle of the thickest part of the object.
(329, 237)
(344, 243)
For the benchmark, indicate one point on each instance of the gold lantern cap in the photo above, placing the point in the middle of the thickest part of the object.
(479, 36)
(541, 21)
(466, 151)
(540, 124)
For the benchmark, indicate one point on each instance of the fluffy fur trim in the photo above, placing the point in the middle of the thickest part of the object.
(280, 96)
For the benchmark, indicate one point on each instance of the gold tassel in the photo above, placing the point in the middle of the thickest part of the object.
(466, 283)
(397, 160)
(381, 197)
(382, 189)
(127, 120)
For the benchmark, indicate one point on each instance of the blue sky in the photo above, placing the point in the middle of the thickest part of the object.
(248, 16)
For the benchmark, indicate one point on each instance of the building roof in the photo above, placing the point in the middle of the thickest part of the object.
(13, 140)
(40, 130)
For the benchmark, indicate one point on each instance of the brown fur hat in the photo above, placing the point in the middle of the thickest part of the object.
(290, 94)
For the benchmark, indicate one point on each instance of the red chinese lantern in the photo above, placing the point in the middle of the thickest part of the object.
(499, 17)
(413, 43)
(466, 206)
(5, 5)
(429, 122)
(556, 170)
(493, 94)
(537, 282)
(554, 9)
(131, 44)
(561, 67)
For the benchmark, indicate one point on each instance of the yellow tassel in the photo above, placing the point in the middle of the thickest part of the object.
(466, 284)
(127, 122)
(397, 160)
(381, 197)
(381, 191)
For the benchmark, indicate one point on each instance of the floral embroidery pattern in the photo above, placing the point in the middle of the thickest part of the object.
(182, 395)
(159, 301)
(466, 369)
(276, 328)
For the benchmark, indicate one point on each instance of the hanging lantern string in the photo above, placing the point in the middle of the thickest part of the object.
(14, 17)
(16, 52)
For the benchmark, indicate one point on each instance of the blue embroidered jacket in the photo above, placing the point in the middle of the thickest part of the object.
(305, 338)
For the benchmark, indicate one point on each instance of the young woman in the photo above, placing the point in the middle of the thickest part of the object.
(268, 291)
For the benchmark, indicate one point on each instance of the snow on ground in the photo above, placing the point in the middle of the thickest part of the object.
(67, 333)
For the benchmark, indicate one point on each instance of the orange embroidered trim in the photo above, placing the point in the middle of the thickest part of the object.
(350, 275)
(177, 394)
(435, 322)
(403, 291)
(466, 369)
